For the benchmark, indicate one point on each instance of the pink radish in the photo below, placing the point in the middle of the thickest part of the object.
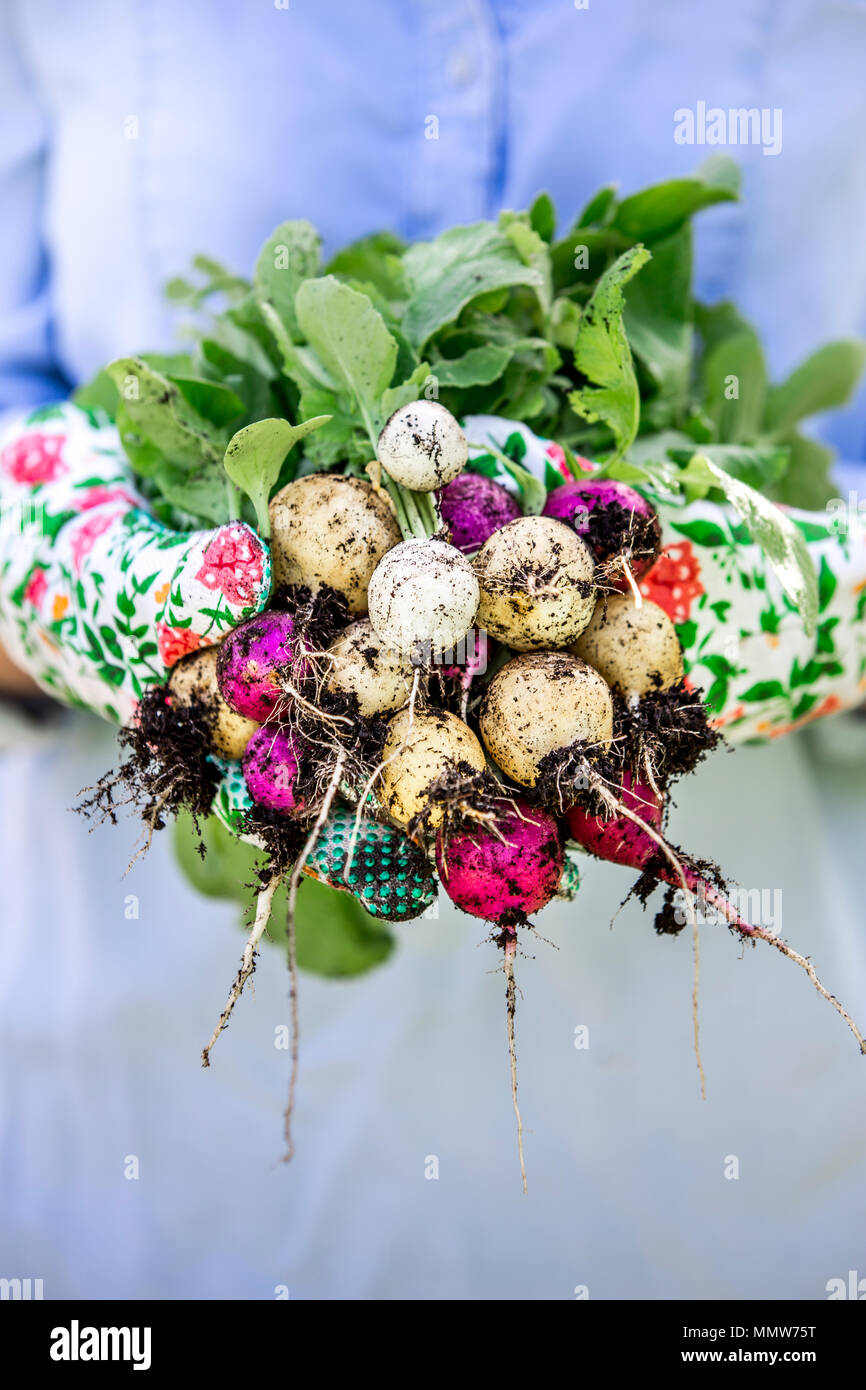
(505, 870)
(616, 522)
(271, 767)
(251, 660)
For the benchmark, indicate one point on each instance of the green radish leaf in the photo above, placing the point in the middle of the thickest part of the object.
(734, 386)
(199, 493)
(478, 367)
(448, 273)
(160, 416)
(532, 249)
(760, 467)
(602, 354)
(780, 540)
(656, 212)
(213, 401)
(658, 321)
(351, 340)
(100, 393)
(824, 381)
(599, 208)
(807, 481)
(290, 255)
(408, 390)
(255, 456)
(542, 217)
(374, 260)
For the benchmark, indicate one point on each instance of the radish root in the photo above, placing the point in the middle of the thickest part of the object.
(294, 883)
(510, 950)
(248, 960)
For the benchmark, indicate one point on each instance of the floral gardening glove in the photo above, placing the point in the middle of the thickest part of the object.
(98, 599)
(744, 644)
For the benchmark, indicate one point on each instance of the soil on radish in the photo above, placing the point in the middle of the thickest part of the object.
(165, 767)
(614, 531)
(669, 728)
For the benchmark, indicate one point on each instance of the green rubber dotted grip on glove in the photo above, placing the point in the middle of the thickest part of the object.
(389, 875)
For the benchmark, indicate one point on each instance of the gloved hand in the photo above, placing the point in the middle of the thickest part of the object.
(743, 644)
(98, 599)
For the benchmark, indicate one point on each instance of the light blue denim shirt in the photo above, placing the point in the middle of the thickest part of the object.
(135, 135)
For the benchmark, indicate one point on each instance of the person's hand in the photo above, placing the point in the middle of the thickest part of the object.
(98, 599)
(744, 645)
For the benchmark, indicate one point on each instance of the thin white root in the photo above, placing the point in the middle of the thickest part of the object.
(747, 931)
(638, 596)
(619, 807)
(511, 1006)
(696, 983)
(248, 960)
(294, 883)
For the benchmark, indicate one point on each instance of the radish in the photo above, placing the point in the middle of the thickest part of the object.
(252, 661)
(271, 767)
(538, 704)
(421, 746)
(422, 447)
(504, 870)
(636, 650)
(423, 599)
(193, 682)
(363, 667)
(473, 507)
(617, 523)
(330, 530)
(537, 589)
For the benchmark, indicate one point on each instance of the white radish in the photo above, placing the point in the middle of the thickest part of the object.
(363, 666)
(636, 650)
(420, 747)
(422, 447)
(423, 598)
(537, 589)
(331, 530)
(539, 703)
(193, 682)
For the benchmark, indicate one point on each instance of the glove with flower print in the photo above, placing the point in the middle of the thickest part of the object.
(744, 644)
(98, 599)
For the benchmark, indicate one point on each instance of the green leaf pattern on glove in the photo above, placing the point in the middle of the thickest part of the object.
(98, 599)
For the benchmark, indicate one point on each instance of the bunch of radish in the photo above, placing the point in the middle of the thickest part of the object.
(561, 731)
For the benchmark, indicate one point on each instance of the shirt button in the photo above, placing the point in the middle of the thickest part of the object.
(460, 68)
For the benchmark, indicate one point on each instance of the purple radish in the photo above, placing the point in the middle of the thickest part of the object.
(474, 507)
(502, 873)
(250, 661)
(618, 524)
(271, 768)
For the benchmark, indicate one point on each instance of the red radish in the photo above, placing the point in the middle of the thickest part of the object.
(251, 660)
(271, 766)
(504, 871)
(473, 507)
(617, 523)
(620, 840)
